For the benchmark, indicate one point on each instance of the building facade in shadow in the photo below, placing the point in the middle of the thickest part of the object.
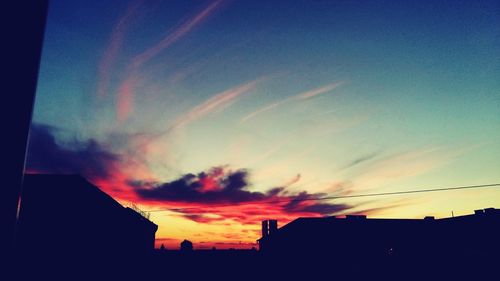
(361, 244)
(66, 216)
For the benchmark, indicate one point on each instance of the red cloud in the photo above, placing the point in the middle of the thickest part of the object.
(220, 195)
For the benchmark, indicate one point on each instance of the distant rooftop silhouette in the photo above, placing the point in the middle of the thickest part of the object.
(186, 246)
(476, 235)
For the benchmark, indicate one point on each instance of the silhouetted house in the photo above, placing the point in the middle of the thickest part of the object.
(66, 215)
(186, 246)
(353, 238)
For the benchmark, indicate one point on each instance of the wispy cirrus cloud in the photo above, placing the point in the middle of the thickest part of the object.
(153, 143)
(126, 93)
(302, 96)
(263, 109)
(124, 102)
(379, 170)
(115, 43)
(359, 160)
(294, 180)
(318, 91)
(177, 34)
(216, 103)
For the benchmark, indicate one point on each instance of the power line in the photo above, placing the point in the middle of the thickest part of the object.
(335, 197)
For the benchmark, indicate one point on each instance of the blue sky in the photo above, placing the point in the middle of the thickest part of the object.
(326, 97)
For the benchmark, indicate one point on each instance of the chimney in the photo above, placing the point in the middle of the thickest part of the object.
(273, 226)
(490, 211)
(355, 217)
(478, 212)
(265, 229)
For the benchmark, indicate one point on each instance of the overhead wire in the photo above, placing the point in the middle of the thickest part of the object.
(288, 200)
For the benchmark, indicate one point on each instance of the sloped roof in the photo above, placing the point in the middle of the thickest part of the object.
(74, 191)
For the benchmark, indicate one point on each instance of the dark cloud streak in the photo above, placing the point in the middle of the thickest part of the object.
(189, 189)
(360, 160)
(88, 158)
(233, 190)
(201, 193)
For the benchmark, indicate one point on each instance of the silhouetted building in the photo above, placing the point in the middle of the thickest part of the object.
(186, 246)
(347, 239)
(65, 215)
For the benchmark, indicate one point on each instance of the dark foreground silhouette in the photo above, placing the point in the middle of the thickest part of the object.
(69, 229)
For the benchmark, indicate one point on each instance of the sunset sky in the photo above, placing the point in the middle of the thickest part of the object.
(219, 114)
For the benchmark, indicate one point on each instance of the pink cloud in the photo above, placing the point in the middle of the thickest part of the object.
(126, 93)
(215, 103)
(116, 41)
(318, 91)
(125, 98)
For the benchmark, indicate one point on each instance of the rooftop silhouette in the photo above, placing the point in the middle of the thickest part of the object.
(356, 242)
(66, 224)
(58, 211)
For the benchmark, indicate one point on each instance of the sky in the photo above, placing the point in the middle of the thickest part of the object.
(215, 115)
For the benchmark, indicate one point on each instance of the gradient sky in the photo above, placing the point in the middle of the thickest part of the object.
(224, 112)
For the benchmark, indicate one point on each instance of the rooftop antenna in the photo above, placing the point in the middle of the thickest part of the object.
(452, 215)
